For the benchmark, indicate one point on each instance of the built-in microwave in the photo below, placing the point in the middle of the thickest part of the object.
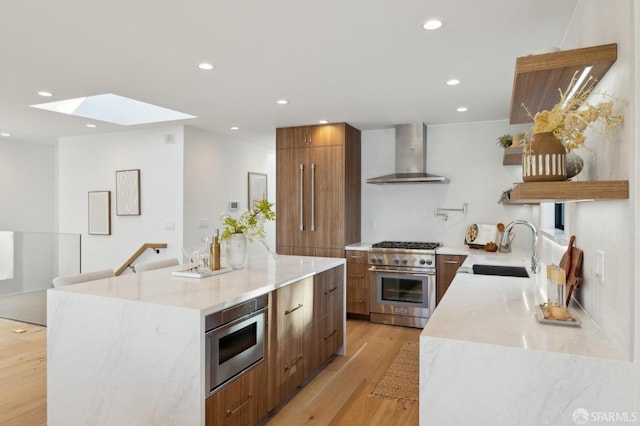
(234, 341)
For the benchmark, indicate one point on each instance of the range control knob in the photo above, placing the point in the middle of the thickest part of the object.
(396, 260)
(429, 261)
(404, 261)
(423, 261)
(379, 259)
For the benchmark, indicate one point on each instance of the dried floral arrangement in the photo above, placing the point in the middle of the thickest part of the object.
(572, 115)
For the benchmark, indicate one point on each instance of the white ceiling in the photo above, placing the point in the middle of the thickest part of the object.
(366, 62)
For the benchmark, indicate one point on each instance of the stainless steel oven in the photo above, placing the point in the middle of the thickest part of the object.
(234, 341)
(403, 282)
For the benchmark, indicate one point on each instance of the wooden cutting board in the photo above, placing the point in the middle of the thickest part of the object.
(571, 262)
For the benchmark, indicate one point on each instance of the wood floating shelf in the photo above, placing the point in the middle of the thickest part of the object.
(536, 192)
(538, 77)
(512, 156)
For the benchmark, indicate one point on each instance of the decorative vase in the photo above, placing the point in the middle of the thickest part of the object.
(575, 163)
(545, 160)
(236, 250)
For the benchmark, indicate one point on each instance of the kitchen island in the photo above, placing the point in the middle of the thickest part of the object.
(485, 359)
(130, 350)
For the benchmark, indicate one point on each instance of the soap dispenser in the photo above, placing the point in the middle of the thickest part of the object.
(214, 252)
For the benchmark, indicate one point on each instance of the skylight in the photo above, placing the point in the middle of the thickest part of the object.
(114, 109)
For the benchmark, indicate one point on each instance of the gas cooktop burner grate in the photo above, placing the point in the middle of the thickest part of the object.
(409, 245)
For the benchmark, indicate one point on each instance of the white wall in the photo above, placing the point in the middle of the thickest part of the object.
(89, 163)
(188, 182)
(27, 186)
(465, 153)
(216, 172)
(28, 200)
(609, 225)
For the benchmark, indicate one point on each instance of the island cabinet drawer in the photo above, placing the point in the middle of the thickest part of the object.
(241, 402)
(328, 334)
(327, 292)
(289, 334)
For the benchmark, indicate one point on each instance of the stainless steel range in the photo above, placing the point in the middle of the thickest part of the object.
(402, 282)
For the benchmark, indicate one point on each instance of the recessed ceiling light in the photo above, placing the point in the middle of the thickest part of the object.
(323, 122)
(205, 66)
(432, 24)
(91, 125)
(453, 82)
(5, 134)
(461, 109)
(282, 101)
(45, 94)
(234, 128)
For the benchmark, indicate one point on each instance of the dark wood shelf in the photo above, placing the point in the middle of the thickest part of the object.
(538, 77)
(536, 192)
(512, 156)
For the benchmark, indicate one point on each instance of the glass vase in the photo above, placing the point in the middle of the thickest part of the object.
(236, 249)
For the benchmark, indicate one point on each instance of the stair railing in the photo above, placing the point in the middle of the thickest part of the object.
(136, 255)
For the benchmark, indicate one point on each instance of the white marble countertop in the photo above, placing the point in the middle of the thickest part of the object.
(260, 275)
(359, 246)
(455, 250)
(501, 311)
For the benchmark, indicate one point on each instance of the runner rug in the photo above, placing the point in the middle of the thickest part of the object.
(401, 380)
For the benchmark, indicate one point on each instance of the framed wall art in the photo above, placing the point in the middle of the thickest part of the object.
(100, 212)
(257, 188)
(128, 192)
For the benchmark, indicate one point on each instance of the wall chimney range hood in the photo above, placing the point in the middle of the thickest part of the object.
(411, 157)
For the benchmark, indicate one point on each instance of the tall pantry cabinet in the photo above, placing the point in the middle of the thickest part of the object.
(317, 189)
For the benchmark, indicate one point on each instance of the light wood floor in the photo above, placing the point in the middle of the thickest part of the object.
(338, 395)
(23, 374)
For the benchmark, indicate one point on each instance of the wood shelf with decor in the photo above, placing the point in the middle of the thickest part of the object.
(512, 156)
(536, 192)
(538, 77)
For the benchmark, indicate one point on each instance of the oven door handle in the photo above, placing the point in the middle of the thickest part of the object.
(418, 274)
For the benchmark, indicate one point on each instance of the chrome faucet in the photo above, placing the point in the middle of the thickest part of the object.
(534, 254)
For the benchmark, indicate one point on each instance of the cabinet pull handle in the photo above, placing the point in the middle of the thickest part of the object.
(235, 410)
(313, 197)
(294, 309)
(295, 361)
(331, 334)
(301, 197)
(451, 262)
(331, 291)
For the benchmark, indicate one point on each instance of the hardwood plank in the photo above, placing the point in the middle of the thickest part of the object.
(339, 394)
(23, 374)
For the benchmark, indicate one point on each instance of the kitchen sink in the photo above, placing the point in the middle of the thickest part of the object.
(501, 270)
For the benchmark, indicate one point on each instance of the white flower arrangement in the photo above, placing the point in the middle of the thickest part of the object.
(251, 224)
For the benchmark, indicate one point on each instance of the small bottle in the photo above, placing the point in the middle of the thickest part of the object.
(214, 252)
(556, 290)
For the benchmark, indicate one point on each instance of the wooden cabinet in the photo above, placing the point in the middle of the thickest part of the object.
(289, 336)
(446, 267)
(328, 316)
(242, 402)
(317, 189)
(357, 282)
(305, 327)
